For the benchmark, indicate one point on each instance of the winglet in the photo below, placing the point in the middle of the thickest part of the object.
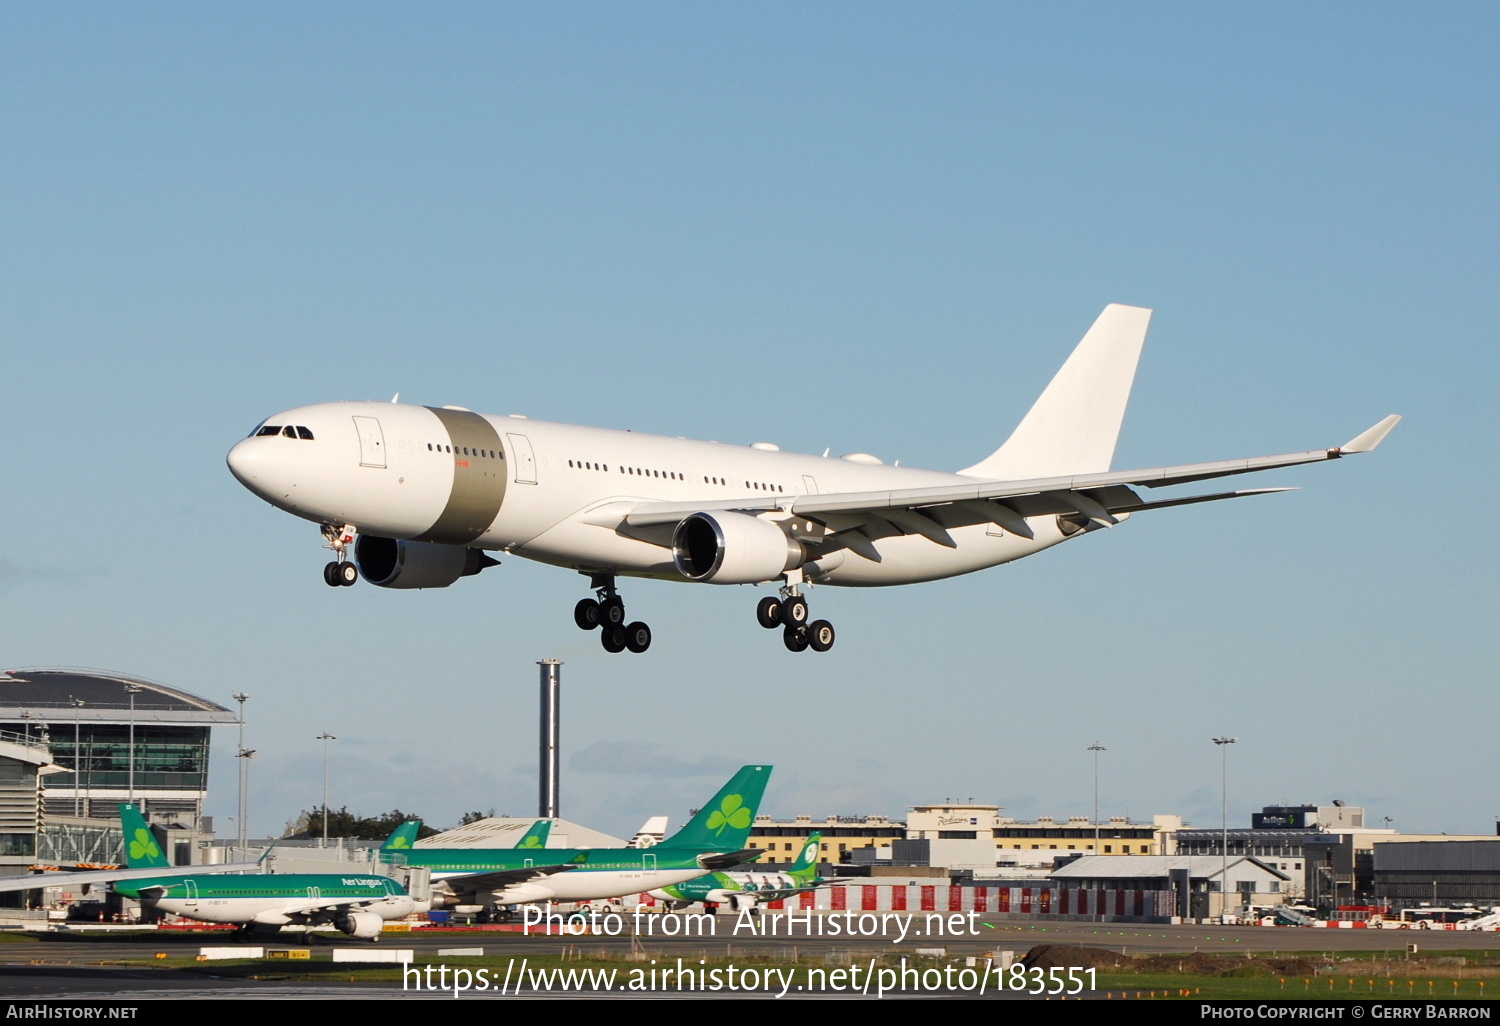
(1367, 441)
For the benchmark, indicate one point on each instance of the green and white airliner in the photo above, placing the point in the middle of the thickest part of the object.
(744, 890)
(358, 904)
(712, 840)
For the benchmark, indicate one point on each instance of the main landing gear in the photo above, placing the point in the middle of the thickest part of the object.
(340, 573)
(607, 614)
(789, 612)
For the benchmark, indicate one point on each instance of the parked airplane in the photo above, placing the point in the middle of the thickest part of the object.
(745, 889)
(422, 492)
(356, 903)
(713, 839)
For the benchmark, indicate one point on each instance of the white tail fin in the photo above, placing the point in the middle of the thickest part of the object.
(1073, 426)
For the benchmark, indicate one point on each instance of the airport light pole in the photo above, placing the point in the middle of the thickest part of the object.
(325, 737)
(132, 690)
(240, 838)
(1224, 743)
(77, 704)
(1096, 748)
(549, 747)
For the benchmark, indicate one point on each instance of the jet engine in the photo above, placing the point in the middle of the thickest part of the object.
(360, 925)
(732, 548)
(395, 563)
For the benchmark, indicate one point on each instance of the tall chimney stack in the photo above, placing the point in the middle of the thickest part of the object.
(548, 751)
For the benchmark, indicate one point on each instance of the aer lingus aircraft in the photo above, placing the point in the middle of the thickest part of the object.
(422, 493)
(744, 889)
(713, 839)
(356, 903)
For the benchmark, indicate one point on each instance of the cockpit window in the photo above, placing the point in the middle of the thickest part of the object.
(289, 431)
(303, 432)
(269, 429)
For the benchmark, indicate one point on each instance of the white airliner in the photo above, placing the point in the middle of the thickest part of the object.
(422, 493)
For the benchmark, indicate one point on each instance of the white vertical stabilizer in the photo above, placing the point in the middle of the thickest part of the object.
(1073, 426)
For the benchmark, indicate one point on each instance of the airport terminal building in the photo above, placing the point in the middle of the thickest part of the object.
(102, 738)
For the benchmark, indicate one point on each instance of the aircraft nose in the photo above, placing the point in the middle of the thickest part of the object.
(243, 463)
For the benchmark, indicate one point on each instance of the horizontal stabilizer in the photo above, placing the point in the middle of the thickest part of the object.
(1371, 438)
(714, 863)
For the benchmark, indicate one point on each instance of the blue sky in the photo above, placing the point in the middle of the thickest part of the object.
(873, 227)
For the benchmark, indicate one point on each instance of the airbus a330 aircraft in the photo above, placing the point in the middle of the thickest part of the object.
(713, 839)
(422, 493)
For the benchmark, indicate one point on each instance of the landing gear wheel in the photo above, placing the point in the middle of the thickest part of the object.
(794, 611)
(331, 575)
(586, 614)
(638, 637)
(613, 638)
(768, 612)
(820, 635)
(795, 638)
(348, 574)
(612, 612)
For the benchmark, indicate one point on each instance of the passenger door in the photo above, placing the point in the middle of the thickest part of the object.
(371, 442)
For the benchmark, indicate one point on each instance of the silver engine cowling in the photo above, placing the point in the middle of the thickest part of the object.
(360, 925)
(733, 548)
(395, 563)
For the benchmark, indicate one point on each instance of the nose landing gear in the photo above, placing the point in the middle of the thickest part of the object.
(340, 573)
(607, 614)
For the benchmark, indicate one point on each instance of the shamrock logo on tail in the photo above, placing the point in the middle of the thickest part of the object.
(732, 812)
(401, 842)
(142, 844)
(530, 842)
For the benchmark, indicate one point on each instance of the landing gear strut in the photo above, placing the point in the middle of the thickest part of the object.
(340, 573)
(607, 614)
(790, 613)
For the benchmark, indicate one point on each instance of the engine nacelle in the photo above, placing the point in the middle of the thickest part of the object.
(395, 563)
(360, 925)
(733, 548)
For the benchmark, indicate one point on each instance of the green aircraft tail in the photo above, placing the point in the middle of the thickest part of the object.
(141, 848)
(724, 823)
(536, 837)
(805, 869)
(402, 838)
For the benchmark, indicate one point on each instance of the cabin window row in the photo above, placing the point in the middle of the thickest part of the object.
(464, 450)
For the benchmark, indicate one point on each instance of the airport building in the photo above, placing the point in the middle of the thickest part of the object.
(962, 838)
(1199, 883)
(109, 738)
(842, 835)
(116, 737)
(1438, 872)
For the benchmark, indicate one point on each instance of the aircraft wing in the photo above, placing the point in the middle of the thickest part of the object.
(1006, 503)
(494, 880)
(64, 878)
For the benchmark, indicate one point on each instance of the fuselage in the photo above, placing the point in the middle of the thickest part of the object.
(721, 887)
(595, 872)
(268, 898)
(557, 493)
